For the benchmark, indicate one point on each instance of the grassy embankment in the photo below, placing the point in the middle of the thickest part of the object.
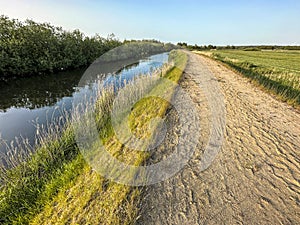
(56, 186)
(278, 72)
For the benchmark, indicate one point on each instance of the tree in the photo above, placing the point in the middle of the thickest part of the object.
(28, 48)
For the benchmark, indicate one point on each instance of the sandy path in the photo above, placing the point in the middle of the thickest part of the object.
(255, 178)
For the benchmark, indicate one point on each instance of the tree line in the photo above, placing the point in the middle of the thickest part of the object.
(244, 47)
(29, 48)
(136, 49)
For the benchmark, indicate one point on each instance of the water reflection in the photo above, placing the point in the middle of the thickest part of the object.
(38, 91)
(26, 102)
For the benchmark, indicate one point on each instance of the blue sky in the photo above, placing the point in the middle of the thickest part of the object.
(196, 22)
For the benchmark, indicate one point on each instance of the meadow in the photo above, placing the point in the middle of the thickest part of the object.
(277, 71)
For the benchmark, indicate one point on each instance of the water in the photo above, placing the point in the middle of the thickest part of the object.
(28, 102)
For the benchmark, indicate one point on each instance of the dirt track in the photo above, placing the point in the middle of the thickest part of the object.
(255, 178)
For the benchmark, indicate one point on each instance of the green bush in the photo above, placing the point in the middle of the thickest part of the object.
(30, 48)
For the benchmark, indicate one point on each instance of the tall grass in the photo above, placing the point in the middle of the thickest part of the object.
(24, 183)
(53, 184)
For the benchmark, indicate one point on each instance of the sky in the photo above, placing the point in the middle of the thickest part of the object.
(216, 22)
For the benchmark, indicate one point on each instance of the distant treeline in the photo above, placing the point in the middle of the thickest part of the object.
(136, 49)
(246, 48)
(28, 48)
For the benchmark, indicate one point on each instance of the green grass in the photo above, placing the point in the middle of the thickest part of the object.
(30, 184)
(55, 185)
(277, 71)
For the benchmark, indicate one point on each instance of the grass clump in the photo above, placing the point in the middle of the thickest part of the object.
(27, 186)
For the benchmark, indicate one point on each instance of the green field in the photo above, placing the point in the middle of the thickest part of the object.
(277, 71)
